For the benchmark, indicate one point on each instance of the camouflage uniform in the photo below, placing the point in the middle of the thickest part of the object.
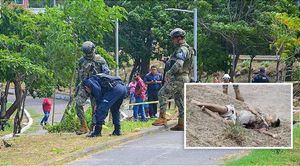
(178, 69)
(88, 65)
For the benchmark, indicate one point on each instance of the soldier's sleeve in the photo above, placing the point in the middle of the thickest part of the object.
(103, 64)
(181, 56)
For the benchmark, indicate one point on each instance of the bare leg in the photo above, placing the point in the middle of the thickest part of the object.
(213, 107)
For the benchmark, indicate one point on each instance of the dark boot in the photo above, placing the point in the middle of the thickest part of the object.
(117, 131)
(179, 126)
(96, 132)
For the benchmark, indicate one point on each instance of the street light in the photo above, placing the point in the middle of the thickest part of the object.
(195, 36)
(117, 47)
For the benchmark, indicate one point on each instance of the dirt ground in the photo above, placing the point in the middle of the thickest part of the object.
(205, 131)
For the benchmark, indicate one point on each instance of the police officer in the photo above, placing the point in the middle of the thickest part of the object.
(88, 65)
(261, 77)
(178, 69)
(108, 92)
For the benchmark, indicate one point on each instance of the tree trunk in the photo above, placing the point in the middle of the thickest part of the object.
(277, 68)
(250, 68)
(134, 69)
(18, 94)
(233, 68)
(4, 100)
(145, 63)
(289, 70)
(16, 103)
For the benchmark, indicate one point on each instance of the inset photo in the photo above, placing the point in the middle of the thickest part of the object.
(238, 116)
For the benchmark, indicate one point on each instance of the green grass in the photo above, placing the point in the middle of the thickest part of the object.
(36, 121)
(296, 117)
(273, 157)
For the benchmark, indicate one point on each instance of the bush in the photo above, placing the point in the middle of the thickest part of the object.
(296, 74)
(265, 64)
(246, 64)
(71, 122)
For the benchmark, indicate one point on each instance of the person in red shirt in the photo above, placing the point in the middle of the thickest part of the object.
(46, 108)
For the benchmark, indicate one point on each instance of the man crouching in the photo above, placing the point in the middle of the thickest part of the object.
(109, 92)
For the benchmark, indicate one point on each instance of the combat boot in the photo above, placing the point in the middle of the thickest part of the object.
(225, 90)
(96, 132)
(179, 126)
(117, 131)
(162, 120)
(83, 129)
(238, 95)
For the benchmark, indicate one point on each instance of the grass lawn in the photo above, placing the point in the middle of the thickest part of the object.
(273, 157)
(33, 150)
(36, 121)
(296, 116)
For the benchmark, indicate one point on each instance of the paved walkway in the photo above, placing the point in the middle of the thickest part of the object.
(34, 106)
(164, 148)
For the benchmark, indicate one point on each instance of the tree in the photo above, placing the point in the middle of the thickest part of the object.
(41, 51)
(16, 66)
(286, 42)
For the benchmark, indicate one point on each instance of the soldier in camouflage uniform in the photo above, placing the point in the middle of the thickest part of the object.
(178, 69)
(88, 65)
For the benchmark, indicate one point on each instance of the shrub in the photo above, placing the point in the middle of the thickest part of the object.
(265, 64)
(71, 122)
(296, 74)
(246, 64)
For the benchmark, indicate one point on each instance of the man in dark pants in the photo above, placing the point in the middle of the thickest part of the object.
(154, 81)
(109, 92)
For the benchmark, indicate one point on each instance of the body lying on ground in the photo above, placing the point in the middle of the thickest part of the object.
(248, 118)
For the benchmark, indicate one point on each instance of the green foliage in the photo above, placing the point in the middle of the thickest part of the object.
(70, 124)
(107, 56)
(296, 74)
(265, 64)
(246, 64)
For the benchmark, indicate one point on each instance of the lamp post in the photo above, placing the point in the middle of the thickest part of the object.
(117, 47)
(195, 36)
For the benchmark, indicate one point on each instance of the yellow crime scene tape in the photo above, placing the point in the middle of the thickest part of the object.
(148, 102)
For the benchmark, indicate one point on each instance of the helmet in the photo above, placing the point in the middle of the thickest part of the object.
(177, 32)
(88, 47)
(226, 77)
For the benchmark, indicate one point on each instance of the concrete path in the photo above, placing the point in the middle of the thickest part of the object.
(164, 148)
(34, 106)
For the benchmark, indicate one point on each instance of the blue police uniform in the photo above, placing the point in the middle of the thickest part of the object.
(106, 98)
